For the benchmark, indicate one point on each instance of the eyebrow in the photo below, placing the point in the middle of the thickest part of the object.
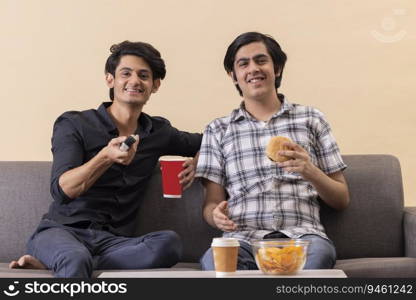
(261, 55)
(130, 69)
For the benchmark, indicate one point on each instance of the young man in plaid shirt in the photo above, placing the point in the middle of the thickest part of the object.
(247, 195)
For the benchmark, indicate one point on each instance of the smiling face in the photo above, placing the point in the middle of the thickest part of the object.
(133, 81)
(254, 71)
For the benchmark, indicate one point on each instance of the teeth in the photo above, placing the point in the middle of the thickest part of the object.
(256, 79)
(134, 90)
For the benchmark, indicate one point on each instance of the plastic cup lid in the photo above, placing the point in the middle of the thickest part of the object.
(225, 242)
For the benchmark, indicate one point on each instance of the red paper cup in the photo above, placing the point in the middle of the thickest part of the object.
(171, 166)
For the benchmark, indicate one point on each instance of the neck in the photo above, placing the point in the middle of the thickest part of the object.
(263, 109)
(125, 117)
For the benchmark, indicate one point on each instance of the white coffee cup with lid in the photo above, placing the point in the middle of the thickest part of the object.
(225, 253)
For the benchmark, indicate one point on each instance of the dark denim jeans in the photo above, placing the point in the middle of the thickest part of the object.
(76, 252)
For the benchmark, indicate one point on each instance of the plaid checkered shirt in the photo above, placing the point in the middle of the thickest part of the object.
(262, 197)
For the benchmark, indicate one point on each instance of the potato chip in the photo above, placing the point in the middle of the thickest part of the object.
(283, 261)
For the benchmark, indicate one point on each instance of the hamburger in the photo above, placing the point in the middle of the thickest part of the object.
(274, 146)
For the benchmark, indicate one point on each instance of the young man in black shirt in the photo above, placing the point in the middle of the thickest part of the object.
(97, 187)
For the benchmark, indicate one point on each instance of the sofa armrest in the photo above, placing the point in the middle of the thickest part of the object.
(410, 231)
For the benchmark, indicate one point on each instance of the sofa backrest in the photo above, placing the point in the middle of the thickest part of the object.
(24, 198)
(183, 215)
(370, 227)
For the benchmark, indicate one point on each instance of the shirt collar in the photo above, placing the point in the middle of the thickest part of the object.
(241, 112)
(145, 121)
(108, 123)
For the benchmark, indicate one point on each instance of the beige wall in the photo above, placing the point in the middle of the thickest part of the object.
(354, 60)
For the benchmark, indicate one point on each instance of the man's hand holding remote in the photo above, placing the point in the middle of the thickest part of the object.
(130, 140)
(119, 151)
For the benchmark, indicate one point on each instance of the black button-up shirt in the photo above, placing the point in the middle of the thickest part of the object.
(112, 201)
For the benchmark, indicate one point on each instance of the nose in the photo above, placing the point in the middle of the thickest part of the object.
(134, 79)
(253, 67)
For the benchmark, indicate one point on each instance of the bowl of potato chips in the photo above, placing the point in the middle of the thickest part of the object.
(280, 256)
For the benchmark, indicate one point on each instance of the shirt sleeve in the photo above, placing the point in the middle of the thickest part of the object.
(326, 148)
(183, 143)
(211, 160)
(68, 153)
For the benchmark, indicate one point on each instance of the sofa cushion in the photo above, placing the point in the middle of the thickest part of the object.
(5, 272)
(385, 267)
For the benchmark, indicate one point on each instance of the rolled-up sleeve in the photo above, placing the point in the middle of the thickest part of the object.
(211, 160)
(68, 153)
(326, 147)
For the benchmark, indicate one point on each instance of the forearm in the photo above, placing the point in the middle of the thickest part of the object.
(214, 195)
(332, 189)
(78, 180)
(208, 214)
(196, 157)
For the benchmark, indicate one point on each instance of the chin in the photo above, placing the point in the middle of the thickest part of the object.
(257, 96)
(136, 101)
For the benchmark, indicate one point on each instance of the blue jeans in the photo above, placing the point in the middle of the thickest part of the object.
(76, 252)
(321, 254)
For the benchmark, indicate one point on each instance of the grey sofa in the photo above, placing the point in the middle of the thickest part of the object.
(375, 236)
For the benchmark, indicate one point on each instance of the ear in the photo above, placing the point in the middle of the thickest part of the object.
(109, 79)
(156, 85)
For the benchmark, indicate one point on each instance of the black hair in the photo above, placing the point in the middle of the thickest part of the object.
(140, 49)
(278, 56)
